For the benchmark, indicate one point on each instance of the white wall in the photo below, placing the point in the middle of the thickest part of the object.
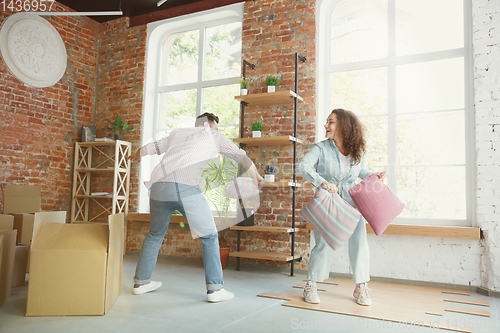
(457, 261)
(486, 40)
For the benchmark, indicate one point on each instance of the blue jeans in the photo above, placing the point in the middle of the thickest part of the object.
(359, 256)
(165, 198)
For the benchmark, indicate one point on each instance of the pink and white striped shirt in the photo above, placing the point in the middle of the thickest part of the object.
(186, 151)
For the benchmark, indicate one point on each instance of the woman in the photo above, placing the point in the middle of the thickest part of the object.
(335, 163)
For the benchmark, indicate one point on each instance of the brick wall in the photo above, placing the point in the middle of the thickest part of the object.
(273, 31)
(39, 126)
(120, 78)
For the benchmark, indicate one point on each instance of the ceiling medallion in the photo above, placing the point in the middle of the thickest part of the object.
(33, 50)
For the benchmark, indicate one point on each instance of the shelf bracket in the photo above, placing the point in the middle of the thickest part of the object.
(245, 64)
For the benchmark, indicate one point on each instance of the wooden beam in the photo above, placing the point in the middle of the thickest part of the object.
(426, 231)
(180, 10)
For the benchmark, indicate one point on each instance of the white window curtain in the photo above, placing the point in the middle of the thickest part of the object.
(404, 67)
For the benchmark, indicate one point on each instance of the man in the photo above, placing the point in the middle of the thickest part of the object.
(174, 185)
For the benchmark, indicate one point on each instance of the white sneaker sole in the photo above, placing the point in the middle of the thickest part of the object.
(364, 304)
(220, 296)
(310, 301)
(151, 286)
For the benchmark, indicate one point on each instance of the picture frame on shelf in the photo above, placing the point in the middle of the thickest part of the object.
(88, 133)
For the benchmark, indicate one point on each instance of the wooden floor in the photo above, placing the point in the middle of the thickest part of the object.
(402, 304)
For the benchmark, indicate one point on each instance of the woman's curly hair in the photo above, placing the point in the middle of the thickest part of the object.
(352, 131)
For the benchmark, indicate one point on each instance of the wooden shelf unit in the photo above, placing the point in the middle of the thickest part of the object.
(281, 183)
(283, 257)
(264, 229)
(284, 140)
(144, 217)
(276, 98)
(112, 159)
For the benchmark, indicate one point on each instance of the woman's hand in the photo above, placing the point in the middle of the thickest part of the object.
(330, 187)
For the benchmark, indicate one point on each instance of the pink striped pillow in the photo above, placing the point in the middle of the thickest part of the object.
(376, 202)
(332, 216)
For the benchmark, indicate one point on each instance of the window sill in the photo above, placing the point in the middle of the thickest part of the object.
(393, 229)
(426, 231)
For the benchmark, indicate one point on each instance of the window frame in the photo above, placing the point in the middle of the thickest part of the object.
(325, 9)
(158, 32)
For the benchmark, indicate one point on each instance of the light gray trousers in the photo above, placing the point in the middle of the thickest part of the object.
(359, 256)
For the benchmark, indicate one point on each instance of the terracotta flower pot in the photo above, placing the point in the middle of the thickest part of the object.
(224, 256)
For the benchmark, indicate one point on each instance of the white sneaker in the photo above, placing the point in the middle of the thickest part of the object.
(311, 293)
(361, 295)
(146, 288)
(220, 296)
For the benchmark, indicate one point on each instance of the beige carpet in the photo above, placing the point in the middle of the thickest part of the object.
(404, 305)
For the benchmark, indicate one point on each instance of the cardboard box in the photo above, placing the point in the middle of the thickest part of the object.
(21, 199)
(75, 269)
(7, 253)
(39, 218)
(6, 222)
(23, 223)
(20, 265)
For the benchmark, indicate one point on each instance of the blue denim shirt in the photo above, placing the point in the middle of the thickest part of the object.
(322, 163)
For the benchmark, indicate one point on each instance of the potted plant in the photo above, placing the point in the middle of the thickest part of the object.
(271, 83)
(243, 85)
(117, 126)
(270, 171)
(257, 128)
(214, 178)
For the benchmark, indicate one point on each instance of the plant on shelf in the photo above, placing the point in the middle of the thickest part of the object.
(270, 171)
(118, 126)
(243, 85)
(257, 128)
(215, 177)
(272, 82)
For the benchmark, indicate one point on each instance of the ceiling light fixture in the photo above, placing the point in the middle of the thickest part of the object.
(110, 13)
(161, 2)
(118, 12)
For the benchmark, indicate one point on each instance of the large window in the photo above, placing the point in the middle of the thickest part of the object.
(192, 68)
(198, 73)
(403, 67)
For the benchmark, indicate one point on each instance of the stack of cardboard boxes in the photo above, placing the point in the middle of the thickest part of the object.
(16, 232)
(74, 269)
